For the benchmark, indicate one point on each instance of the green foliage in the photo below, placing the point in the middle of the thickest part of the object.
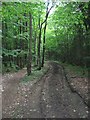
(16, 34)
(13, 53)
(68, 36)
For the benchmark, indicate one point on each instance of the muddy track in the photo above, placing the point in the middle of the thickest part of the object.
(49, 97)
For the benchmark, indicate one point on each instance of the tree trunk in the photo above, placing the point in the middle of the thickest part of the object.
(26, 37)
(35, 63)
(29, 58)
(44, 39)
(39, 42)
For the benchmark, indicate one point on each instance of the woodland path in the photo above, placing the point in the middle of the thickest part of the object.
(49, 97)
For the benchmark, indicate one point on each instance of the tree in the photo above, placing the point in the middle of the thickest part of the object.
(69, 38)
(41, 63)
(29, 58)
(44, 35)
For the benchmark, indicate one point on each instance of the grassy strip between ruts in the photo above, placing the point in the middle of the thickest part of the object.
(36, 74)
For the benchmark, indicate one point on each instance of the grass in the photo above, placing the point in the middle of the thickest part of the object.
(36, 74)
(76, 70)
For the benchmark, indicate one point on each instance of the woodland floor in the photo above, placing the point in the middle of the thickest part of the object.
(48, 97)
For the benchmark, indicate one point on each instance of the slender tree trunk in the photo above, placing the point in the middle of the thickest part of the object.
(39, 51)
(39, 43)
(29, 58)
(21, 43)
(26, 30)
(35, 49)
(4, 32)
(44, 39)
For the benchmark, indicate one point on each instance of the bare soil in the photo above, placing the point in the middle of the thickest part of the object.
(49, 97)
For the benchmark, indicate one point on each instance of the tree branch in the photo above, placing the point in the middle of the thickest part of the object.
(46, 16)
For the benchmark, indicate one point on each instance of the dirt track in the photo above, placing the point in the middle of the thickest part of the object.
(50, 97)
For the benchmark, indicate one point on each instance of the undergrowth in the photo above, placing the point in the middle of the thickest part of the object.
(36, 74)
(76, 70)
